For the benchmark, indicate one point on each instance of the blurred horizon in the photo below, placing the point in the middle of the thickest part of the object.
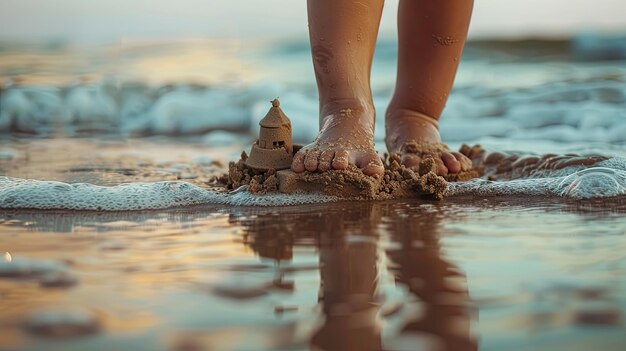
(101, 22)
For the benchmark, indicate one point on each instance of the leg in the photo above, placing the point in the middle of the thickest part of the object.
(343, 35)
(431, 36)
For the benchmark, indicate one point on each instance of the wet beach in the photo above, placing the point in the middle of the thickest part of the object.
(461, 273)
(513, 263)
(366, 276)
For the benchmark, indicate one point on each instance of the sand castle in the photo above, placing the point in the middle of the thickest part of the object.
(274, 148)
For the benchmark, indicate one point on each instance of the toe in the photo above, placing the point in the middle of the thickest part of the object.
(371, 165)
(494, 158)
(326, 158)
(297, 165)
(311, 160)
(442, 170)
(452, 164)
(341, 160)
(411, 161)
(466, 163)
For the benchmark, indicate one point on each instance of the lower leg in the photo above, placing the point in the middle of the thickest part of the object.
(431, 36)
(349, 282)
(343, 36)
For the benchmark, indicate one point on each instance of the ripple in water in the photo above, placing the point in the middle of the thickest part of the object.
(593, 182)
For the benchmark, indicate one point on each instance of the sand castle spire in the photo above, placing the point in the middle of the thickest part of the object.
(274, 148)
(275, 117)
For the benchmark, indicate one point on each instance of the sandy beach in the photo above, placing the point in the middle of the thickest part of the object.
(116, 233)
(456, 273)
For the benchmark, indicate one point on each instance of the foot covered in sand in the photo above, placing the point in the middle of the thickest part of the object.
(415, 137)
(346, 137)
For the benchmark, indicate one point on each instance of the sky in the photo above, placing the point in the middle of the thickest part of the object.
(111, 20)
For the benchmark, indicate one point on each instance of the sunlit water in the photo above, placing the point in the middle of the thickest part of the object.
(404, 275)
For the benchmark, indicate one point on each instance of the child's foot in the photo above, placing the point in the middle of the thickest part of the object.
(416, 136)
(346, 137)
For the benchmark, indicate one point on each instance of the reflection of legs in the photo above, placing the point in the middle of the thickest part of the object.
(349, 283)
(431, 38)
(437, 283)
(445, 296)
(343, 36)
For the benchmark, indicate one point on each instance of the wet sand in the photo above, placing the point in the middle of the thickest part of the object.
(513, 273)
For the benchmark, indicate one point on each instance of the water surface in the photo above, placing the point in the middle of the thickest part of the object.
(400, 275)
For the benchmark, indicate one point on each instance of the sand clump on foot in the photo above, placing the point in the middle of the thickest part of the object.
(429, 150)
(398, 181)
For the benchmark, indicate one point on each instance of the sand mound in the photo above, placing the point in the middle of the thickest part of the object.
(258, 182)
(398, 181)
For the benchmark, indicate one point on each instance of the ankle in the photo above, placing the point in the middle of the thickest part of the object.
(364, 108)
(335, 106)
(399, 116)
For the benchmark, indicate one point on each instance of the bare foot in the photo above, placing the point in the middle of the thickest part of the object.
(416, 136)
(346, 137)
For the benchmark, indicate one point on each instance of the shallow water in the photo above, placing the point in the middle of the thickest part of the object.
(132, 175)
(401, 275)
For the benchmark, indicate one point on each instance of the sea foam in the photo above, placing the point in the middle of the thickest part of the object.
(567, 102)
(16, 193)
(606, 179)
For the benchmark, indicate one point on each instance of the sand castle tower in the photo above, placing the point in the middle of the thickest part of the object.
(273, 149)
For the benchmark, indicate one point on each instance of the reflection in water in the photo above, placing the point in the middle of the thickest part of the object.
(438, 284)
(348, 244)
(346, 276)
(349, 282)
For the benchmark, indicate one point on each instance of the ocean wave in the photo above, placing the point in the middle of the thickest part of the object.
(512, 97)
(573, 112)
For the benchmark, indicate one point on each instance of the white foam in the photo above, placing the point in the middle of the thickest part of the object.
(606, 179)
(29, 109)
(580, 107)
(21, 267)
(90, 106)
(19, 193)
